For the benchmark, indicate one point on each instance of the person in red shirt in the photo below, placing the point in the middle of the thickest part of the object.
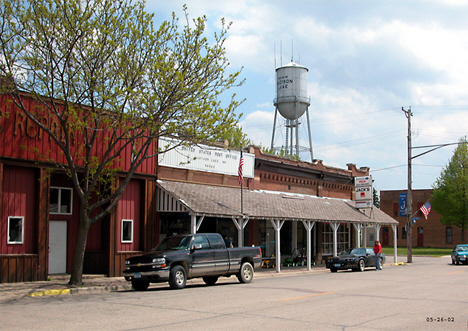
(378, 252)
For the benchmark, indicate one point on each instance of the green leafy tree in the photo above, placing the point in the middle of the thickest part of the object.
(376, 199)
(95, 64)
(282, 152)
(450, 192)
(236, 137)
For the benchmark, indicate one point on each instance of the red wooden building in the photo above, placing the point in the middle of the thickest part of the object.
(39, 210)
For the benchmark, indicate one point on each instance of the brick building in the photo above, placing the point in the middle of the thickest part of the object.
(425, 233)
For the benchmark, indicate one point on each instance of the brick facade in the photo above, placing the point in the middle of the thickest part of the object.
(426, 233)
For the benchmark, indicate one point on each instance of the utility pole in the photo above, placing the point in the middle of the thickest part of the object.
(409, 198)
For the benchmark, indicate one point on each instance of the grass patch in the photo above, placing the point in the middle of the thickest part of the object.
(427, 251)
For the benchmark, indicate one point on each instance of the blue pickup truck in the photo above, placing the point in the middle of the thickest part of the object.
(182, 257)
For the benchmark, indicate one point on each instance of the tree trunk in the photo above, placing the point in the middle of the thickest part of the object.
(78, 259)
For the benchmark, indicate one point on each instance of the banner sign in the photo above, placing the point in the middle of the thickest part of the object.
(402, 204)
(204, 158)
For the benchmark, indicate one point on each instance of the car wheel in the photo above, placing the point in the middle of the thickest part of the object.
(177, 277)
(210, 280)
(333, 270)
(457, 261)
(246, 273)
(140, 285)
(453, 261)
(381, 263)
(362, 265)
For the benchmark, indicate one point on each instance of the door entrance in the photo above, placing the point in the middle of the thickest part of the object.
(385, 236)
(421, 237)
(57, 247)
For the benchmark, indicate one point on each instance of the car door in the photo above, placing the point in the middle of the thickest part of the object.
(202, 258)
(221, 254)
(370, 255)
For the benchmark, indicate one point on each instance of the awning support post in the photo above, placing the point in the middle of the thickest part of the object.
(377, 231)
(277, 225)
(395, 250)
(358, 228)
(194, 225)
(240, 225)
(308, 226)
(335, 226)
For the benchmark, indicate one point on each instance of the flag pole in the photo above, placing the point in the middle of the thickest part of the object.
(241, 182)
(241, 178)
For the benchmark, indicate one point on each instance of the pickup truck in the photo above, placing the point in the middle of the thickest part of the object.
(182, 257)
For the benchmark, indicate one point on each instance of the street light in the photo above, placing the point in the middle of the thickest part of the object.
(409, 198)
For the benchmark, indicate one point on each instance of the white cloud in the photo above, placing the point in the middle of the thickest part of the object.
(366, 60)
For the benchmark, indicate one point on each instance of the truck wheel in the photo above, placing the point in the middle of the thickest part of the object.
(210, 280)
(140, 285)
(246, 273)
(177, 277)
(333, 270)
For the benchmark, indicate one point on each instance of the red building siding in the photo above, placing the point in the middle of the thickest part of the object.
(129, 209)
(24, 140)
(18, 200)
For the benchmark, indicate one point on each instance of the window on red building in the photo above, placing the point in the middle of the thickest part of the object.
(60, 200)
(15, 229)
(395, 209)
(449, 234)
(127, 231)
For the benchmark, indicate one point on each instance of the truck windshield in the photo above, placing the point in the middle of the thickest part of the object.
(174, 243)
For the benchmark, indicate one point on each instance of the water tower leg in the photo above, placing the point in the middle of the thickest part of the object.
(286, 149)
(274, 128)
(296, 125)
(310, 136)
(292, 138)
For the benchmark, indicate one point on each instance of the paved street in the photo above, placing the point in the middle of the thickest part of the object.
(429, 294)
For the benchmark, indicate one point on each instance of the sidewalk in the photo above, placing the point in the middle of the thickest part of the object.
(92, 284)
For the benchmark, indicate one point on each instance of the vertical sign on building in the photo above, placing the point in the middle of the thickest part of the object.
(364, 192)
(402, 204)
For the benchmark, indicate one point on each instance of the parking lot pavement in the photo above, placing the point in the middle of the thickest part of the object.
(92, 284)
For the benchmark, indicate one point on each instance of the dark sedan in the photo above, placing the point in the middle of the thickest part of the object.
(356, 259)
(460, 254)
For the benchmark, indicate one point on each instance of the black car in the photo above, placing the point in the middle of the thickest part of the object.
(356, 259)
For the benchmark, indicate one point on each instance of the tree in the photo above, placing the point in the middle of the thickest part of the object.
(376, 199)
(102, 71)
(449, 197)
(236, 137)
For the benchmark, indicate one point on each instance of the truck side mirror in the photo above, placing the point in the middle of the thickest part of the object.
(196, 247)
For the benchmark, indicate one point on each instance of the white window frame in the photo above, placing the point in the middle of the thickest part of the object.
(59, 203)
(22, 230)
(122, 231)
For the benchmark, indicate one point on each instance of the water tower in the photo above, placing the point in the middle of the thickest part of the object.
(292, 102)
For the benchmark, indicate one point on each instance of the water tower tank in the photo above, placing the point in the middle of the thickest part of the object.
(291, 90)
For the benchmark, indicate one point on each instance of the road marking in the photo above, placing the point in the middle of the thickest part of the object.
(455, 272)
(306, 296)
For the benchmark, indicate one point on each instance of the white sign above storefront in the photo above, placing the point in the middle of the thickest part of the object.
(204, 158)
(364, 192)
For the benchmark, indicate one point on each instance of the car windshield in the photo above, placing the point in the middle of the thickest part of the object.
(174, 243)
(462, 248)
(354, 251)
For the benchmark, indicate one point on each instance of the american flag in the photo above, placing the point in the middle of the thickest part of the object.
(239, 171)
(426, 209)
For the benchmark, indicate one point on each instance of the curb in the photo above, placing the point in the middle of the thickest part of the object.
(82, 290)
(50, 292)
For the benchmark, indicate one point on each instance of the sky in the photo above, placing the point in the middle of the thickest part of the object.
(367, 60)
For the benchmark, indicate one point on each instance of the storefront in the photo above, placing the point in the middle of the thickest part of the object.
(266, 213)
